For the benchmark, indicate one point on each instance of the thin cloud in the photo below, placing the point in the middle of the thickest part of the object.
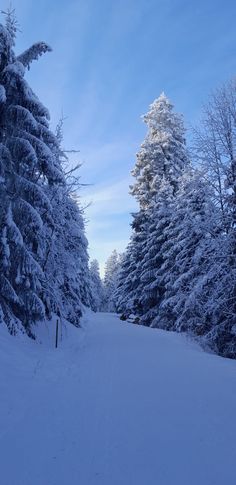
(113, 199)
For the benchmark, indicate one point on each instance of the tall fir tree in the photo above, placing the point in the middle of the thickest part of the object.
(151, 289)
(96, 286)
(191, 233)
(66, 260)
(27, 165)
(160, 164)
(112, 268)
(33, 195)
(217, 288)
(163, 154)
(127, 295)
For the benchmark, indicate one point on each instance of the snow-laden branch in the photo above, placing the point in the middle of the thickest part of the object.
(33, 53)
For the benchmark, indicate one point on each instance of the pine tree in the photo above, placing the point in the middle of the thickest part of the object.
(162, 155)
(158, 170)
(43, 248)
(217, 295)
(112, 268)
(27, 164)
(192, 232)
(96, 286)
(66, 260)
(127, 292)
(151, 289)
(216, 289)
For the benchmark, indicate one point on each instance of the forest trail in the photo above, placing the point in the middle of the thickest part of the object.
(116, 404)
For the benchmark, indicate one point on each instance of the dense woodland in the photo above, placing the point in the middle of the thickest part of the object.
(43, 251)
(179, 270)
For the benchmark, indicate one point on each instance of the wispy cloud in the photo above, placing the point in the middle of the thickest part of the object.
(104, 160)
(111, 199)
(109, 61)
(109, 218)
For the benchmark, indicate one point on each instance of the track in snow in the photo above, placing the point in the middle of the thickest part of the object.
(125, 405)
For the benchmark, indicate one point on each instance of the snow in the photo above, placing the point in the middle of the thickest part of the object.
(115, 404)
(2, 94)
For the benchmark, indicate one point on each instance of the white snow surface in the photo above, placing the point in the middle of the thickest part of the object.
(115, 404)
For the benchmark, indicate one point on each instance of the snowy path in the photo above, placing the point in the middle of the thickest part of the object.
(125, 405)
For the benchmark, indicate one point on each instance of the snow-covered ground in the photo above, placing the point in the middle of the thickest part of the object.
(115, 404)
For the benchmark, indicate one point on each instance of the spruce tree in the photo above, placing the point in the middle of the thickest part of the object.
(127, 292)
(152, 289)
(66, 260)
(112, 268)
(27, 165)
(192, 232)
(160, 164)
(43, 248)
(163, 153)
(96, 286)
(216, 289)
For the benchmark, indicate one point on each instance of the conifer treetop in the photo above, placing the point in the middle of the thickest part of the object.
(163, 153)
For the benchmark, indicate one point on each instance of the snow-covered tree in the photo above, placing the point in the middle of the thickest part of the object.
(66, 260)
(127, 292)
(191, 232)
(217, 295)
(160, 164)
(217, 288)
(112, 268)
(43, 249)
(179, 270)
(96, 286)
(163, 153)
(151, 289)
(27, 164)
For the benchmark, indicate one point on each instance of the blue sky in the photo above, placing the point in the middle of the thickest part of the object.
(110, 60)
